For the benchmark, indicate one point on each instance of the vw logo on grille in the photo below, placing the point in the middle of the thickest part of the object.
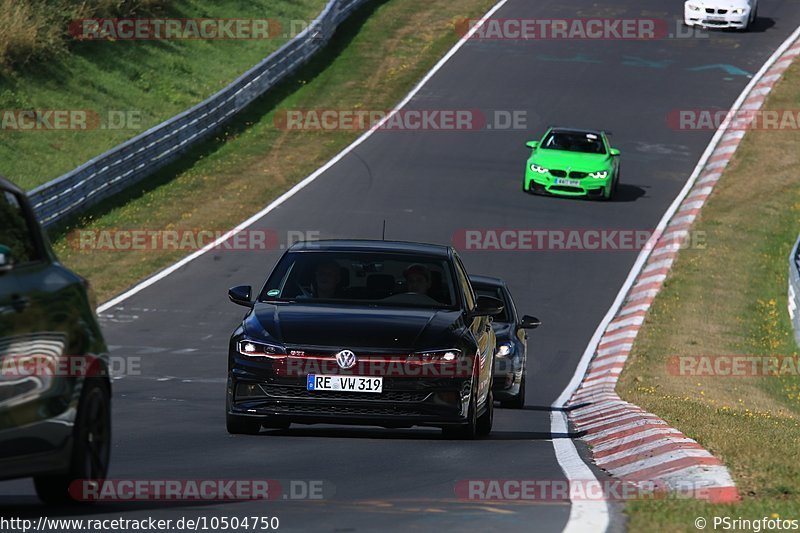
(346, 359)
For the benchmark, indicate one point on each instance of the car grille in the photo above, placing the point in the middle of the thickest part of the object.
(311, 409)
(711, 11)
(578, 175)
(286, 392)
(558, 173)
(565, 188)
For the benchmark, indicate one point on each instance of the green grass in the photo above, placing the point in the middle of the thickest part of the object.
(372, 62)
(731, 298)
(153, 80)
(36, 30)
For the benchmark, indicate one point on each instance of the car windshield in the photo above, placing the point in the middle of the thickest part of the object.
(495, 292)
(585, 142)
(362, 278)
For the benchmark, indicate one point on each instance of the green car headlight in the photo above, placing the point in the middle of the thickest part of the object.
(538, 169)
(600, 174)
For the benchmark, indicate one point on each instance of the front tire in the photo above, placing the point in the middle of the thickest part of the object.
(518, 401)
(485, 421)
(608, 193)
(752, 18)
(91, 447)
(469, 430)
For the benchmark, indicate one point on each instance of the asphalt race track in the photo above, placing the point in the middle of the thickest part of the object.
(428, 186)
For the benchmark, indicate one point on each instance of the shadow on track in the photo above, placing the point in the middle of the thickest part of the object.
(407, 434)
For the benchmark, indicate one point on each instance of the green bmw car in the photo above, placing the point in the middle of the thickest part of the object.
(572, 162)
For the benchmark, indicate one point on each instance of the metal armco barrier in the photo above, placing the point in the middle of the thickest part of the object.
(794, 289)
(139, 157)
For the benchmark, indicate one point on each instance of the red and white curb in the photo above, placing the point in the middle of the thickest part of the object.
(626, 441)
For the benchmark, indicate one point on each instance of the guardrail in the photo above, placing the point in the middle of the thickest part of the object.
(137, 158)
(794, 289)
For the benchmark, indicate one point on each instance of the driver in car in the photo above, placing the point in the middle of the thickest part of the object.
(327, 280)
(418, 279)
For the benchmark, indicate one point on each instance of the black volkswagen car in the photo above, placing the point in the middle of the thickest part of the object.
(511, 354)
(363, 332)
(55, 411)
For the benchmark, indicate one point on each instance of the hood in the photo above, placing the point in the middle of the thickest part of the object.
(721, 4)
(365, 328)
(561, 159)
(503, 331)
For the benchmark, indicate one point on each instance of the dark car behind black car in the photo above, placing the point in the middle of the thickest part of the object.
(511, 353)
(363, 332)
(55, 423)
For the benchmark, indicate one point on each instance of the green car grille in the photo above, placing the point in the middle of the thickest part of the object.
(563, 174)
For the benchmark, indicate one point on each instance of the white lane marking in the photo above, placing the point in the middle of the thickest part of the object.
(299, 186)
(584, 515)
(558, 419)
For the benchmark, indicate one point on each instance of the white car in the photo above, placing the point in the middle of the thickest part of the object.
(737, 14)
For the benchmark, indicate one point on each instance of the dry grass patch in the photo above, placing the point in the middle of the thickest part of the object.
(730, 298)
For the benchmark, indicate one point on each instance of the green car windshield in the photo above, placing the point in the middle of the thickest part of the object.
(572, 141)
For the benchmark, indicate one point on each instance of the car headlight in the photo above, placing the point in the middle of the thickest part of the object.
(600, 174)
(538, 169)
(693, 7)
(504, 350)
(738, 11)
(436, 356)
(252, 348)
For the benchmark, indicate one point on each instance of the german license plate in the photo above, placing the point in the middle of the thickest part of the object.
(344, 383)
(568, 182)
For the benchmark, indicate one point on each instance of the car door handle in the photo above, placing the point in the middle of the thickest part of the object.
(20, 303)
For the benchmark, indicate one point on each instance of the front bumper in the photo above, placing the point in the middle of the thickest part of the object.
(262, 390)
(715, 20)
(506, 379)
(545, 184)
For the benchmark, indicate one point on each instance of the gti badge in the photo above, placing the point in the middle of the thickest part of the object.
(346, 359)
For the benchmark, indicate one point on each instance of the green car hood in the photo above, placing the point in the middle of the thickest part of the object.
(561, 159)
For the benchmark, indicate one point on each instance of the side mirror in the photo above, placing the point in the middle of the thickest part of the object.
(530, 322)
(532, 144)
(6, 259)
(614, 152)
(488, 306)
(240, 295)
